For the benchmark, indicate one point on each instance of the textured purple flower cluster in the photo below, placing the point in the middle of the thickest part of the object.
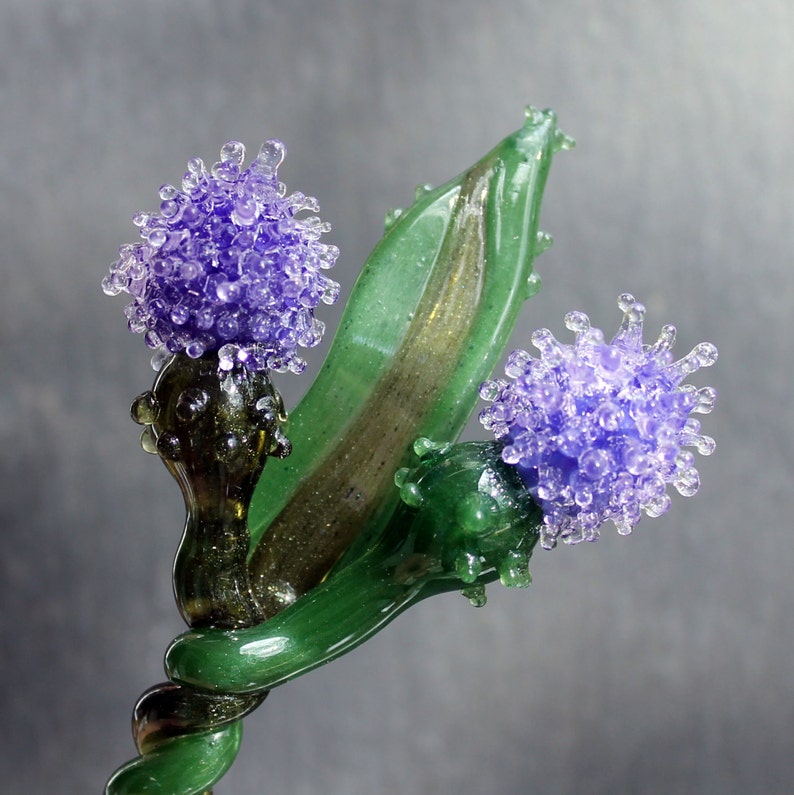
(226, 265)
(597, 430)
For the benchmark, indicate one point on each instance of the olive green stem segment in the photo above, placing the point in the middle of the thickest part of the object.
(181, 766)
(425, 324)
(214, 429)
(465, 519)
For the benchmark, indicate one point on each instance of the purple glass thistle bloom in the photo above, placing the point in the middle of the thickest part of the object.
(226, 265)
(598, 430)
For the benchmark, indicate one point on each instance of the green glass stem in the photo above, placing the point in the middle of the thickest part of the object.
(425, 324)
(465, 519)
(186, 765)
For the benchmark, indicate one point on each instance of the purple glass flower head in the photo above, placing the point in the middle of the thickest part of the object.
(226, 265)
(597, 430)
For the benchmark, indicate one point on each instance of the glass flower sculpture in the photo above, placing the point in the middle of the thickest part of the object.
(372, 505)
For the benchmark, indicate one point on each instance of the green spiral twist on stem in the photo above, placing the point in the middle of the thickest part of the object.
(427, 320)
(185, 765)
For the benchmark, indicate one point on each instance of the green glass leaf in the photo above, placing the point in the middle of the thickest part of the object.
(426, 322)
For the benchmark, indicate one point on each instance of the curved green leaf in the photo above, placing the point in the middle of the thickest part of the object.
(425, 324)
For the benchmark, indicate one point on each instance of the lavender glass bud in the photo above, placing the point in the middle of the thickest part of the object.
(227, 265)
(598, 430)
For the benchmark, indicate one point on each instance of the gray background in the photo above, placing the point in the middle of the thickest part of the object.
(658, 663)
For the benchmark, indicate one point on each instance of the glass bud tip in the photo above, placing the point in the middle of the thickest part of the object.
(598, 430)
(226, 264)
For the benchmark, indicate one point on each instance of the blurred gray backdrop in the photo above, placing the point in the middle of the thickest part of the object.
(654, 664)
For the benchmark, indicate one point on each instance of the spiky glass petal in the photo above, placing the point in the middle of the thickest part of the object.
(598, 430)
(226, 265)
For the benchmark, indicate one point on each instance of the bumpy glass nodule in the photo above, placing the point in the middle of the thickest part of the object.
(214, 429)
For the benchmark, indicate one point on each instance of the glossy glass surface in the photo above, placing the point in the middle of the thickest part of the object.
(186, 765)
(214, 429)
(427, 320)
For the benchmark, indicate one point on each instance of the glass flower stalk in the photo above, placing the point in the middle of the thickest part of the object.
(283, 568)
